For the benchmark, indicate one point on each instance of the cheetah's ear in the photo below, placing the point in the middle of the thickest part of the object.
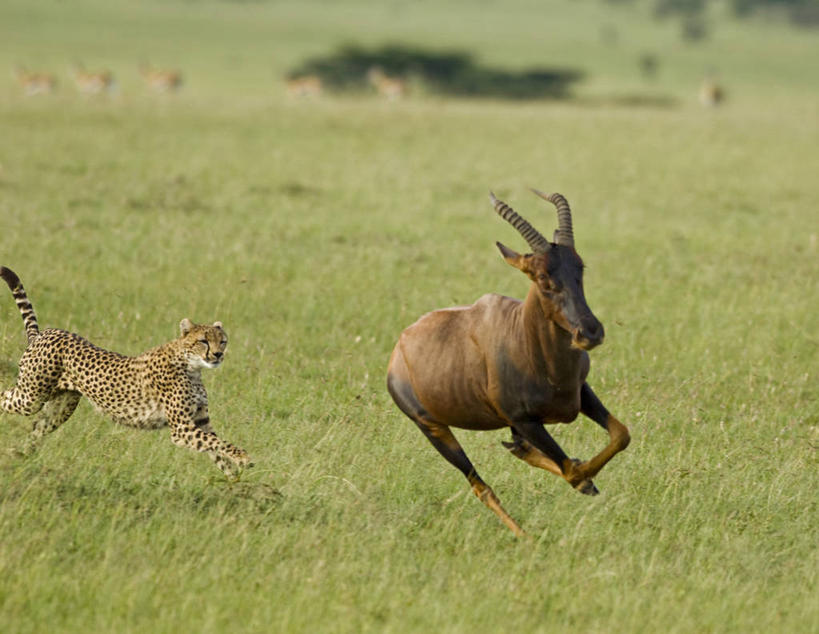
(217, 324)
(185, 326)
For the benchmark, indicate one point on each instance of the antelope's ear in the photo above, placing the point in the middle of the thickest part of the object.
(185, 326)
(512, 257)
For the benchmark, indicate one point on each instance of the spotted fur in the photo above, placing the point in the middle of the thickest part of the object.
(162, 386)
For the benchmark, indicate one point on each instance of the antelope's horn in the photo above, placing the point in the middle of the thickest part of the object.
(564, 234)
(537, 242)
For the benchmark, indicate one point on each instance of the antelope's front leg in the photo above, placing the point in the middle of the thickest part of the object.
(619, 436)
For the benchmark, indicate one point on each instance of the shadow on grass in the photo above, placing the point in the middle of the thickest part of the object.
(630, 101)
(89, 493)
(8, 369)
(452, 74)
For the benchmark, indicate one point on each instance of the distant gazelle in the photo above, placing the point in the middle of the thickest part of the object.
(159, 79)
(93, 83)
(304, 86)
(504, 363)
(389, 87)
(711, 93)
(35, 83)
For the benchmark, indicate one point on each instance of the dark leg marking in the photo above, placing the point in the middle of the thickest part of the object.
(619, 436)
(448, 446)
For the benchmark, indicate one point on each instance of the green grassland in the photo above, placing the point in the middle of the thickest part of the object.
(316, 230)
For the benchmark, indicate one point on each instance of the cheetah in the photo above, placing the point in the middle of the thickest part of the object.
(160, 387)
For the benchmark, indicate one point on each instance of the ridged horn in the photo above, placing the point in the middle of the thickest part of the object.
(564, 234)
(536, 242)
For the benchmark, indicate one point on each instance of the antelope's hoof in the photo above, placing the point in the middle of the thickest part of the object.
(586, 487)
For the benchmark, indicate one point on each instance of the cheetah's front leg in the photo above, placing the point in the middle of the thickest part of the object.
(199, 437)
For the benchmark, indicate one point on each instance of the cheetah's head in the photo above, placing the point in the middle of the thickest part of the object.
(203, 345)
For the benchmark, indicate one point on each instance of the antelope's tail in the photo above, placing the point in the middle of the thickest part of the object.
(20, 297)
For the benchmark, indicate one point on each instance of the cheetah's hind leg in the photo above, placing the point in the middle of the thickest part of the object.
(55, 412)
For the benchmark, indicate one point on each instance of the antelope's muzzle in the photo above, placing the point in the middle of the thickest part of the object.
(589, 333)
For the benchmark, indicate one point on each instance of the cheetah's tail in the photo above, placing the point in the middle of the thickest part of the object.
(26, 309)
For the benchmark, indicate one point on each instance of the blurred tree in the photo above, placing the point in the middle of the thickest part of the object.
(800, 12)
(453, 73)
(693, 13)
(648, 64)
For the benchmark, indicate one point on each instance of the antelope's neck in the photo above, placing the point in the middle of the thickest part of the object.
(548, 347)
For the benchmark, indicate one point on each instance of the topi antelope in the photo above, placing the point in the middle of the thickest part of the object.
(90, 83)
(304, 86)
(391, 88)
(506, 363)
(711, 93)
(34, 83)
(161, 80)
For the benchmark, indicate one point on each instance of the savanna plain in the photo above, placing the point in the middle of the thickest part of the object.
(317, 228)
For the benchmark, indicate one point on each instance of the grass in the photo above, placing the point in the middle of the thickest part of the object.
(317, 230)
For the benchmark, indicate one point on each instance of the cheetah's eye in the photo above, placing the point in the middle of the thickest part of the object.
(204, 341)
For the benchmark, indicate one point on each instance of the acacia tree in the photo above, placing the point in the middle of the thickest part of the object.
(693, 21)
(800, 12)
(690, 12)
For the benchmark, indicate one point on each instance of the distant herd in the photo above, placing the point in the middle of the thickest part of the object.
(166, 80)
(96, 82)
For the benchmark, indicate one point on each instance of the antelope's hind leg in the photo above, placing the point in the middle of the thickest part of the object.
(448, 446)
(526, 451)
